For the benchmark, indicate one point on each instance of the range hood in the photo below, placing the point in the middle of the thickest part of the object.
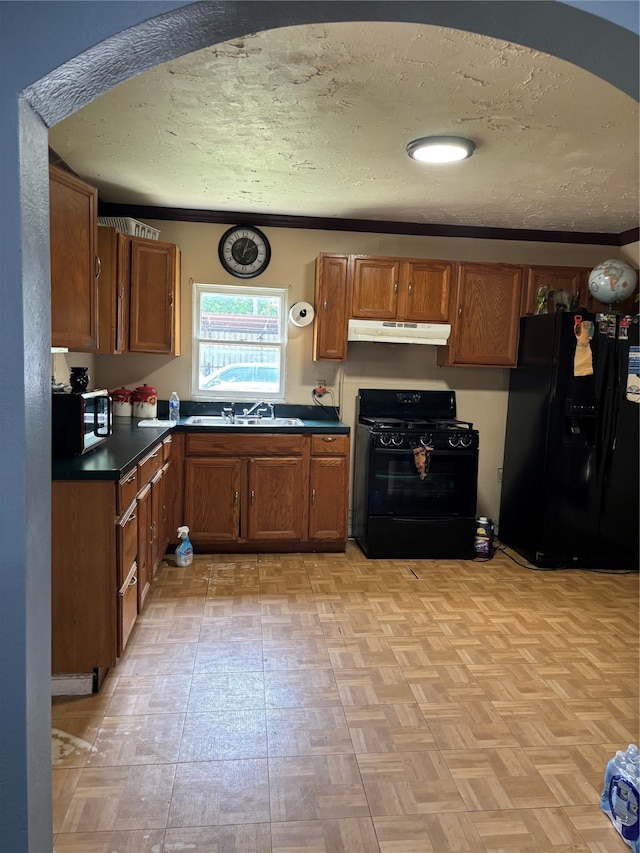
(392, 332)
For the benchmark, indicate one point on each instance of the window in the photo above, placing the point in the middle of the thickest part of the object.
(239, 342)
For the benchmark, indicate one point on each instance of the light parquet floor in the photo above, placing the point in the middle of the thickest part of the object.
(331, 704)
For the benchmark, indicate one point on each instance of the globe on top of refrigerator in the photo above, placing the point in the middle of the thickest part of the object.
(612, 281)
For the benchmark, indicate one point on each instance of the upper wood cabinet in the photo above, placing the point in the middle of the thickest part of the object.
(154, 324)
(331, 298)
(113, 290)
(75, 266)
(486, 309)
(401, 289)
(573, 279)
(139, 294)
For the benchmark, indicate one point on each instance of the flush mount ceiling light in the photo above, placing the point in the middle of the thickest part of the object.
(440, 149)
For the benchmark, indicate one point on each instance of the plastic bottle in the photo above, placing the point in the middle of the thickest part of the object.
(174, 408)
(619, 800)
(184, 551)
(483, 537)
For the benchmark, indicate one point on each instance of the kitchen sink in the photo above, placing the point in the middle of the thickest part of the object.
(243, 420)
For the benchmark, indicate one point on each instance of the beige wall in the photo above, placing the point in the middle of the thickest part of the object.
(481, 393)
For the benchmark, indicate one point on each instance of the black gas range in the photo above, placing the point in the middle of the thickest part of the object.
(416, 472)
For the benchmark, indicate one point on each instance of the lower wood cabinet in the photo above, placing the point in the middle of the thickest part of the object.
(102, 571)
(328, 473)
(264, 491)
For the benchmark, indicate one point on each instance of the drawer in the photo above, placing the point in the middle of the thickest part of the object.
(329, 445)
(151, 463)
(230, 444)
(127, 490)
(166, 448)
(127, 607)
(127, 535)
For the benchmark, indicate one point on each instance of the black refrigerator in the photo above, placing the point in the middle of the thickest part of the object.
(570, 475)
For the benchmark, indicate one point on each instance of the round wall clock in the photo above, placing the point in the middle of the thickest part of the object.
(244, 251)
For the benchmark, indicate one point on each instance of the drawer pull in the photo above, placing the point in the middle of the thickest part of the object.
(131, 478)
(132, 582)
(132, 517)
(329, 438)
(253, 496)
(313, 496)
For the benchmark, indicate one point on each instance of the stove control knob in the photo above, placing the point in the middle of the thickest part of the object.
(466, 440)
(385, 440)
(397, 440)
(454, 440)
(426, 440)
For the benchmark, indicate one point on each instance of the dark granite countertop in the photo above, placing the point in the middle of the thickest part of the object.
(130, 443)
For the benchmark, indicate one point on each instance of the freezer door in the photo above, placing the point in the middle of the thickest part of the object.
(618, 482)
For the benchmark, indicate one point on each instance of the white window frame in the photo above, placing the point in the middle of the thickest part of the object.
(279, 293)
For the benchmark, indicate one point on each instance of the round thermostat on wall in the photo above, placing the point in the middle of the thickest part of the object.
(301, 314)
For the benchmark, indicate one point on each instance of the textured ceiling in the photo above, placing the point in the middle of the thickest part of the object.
(314, 120)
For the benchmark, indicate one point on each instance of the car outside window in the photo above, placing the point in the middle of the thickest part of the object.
(239, 342)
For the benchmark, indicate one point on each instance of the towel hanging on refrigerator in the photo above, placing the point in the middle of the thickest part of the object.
(583, 361)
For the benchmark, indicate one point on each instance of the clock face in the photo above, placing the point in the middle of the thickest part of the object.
(244, 251)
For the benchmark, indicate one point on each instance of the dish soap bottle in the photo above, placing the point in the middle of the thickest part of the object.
(184, 551)
(174, 408)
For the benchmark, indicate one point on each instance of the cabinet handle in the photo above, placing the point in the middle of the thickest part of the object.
(132, 517)
(131, 478)
(459, 312)
(324, 304)
(329, 438)
(253, 496)
(235, 497)
(410, 288)
(132, 582)
(313, 496)
(395, 287)
(98, 266)
(171, 299)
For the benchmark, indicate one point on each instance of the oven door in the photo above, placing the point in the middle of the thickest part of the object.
(448, 489)
(97, 420)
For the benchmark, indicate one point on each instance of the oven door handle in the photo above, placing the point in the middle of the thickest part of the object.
(437, 452)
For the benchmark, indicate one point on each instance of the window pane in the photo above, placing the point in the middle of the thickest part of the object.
(233, 317)
(239, 369)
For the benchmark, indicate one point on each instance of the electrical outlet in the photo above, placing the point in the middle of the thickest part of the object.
(321, 388)
(499, 474)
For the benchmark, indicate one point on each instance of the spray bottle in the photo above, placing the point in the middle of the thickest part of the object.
(184, 551)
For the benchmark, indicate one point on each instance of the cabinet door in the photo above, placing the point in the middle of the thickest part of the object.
(425, 291)
(74, 263)
(127, 608)
(485, 328)
(276, 508)
(212, 498)
(375, 288)
(331, 296)
(113, 291)
(328, 510)
(573, 279)
(157, 524)
(155, 302)
(145, 571)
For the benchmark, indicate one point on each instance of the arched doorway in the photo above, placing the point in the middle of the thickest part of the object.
(92, 50)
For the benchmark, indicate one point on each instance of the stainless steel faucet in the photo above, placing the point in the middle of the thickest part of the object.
(258, 408)
(229, 414)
